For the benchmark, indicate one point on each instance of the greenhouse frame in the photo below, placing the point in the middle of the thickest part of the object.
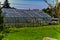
(22, 17)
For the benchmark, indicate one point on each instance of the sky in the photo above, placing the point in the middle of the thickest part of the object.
(26, 4)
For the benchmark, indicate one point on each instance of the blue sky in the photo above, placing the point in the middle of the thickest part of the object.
(26, 4)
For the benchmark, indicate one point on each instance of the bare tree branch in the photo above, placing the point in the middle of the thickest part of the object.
(48, 3)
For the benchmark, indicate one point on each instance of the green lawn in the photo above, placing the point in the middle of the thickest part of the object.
(34, 33)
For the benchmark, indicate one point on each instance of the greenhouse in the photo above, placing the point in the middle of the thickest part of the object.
(18, 17)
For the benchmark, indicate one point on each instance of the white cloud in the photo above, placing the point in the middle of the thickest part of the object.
(1, 1)
(58, 0)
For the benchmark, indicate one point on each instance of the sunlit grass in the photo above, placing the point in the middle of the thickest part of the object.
(34, 33)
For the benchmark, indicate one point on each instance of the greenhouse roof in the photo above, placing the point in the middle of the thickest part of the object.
(23, 13)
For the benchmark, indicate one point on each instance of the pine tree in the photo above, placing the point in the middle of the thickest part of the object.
(6, 4)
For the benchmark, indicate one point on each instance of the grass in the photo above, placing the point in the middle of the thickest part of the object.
(34, 33)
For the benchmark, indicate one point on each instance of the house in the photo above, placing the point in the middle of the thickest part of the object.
(18, 17)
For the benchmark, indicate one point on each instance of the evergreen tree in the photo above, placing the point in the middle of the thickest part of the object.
(6, 4)
(1, 21)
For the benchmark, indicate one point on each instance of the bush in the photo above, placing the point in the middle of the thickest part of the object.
(1, 37)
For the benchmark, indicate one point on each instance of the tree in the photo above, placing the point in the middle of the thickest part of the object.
(52, 11)
(58, 9)
(48, 11)
(6, 4)
(1, 21)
